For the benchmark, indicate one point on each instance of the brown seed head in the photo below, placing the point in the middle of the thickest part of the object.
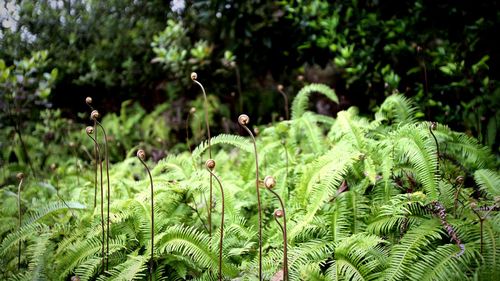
(94, 115)
(269, 182)
(243, 119)
(278, 213)
(88, 100)
(460, 179)
(141, 154)
(433, 125)
(280, 88)
(20, 176)
(89, 130)
(194, 76)
(210, 164)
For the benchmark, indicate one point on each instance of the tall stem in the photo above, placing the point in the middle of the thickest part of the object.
(194, 76)
(210, 167)
(20, 176)
(283, 230)
(243, 120)
(141, 155)
(106, 157)
(102, 194)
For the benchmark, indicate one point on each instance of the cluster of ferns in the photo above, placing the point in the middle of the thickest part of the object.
(385, 198)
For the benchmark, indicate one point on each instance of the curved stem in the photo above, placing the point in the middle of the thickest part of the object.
(221, 223)
(152, 221)
(258, 197)
(283, 230)
(19, 218)
(95, 159)
(102, 198)
(437, 144)
(205, 105)
(106, 157)
(286, 103)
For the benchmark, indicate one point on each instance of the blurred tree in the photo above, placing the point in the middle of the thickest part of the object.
(99, 47)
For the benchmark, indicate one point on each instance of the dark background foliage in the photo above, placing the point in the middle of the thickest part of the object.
(440, 53)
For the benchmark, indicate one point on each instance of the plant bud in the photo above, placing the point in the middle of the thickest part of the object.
(192, 110)
(433, 125)
(20, 176)
(88, 100)
(210, 164)
(141, 154)
(278, 213)
(94, 115)
(460, 179)
(269, 182)
(280, 87)
(243, 119)
(194, 76)
(89, 130)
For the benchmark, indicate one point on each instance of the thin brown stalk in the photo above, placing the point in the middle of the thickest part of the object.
(243, 120)
(210, 165)
(194, 76)
(20, 177)
(269, 183)
(88, 101)
(89, 131)
(285, 97)
(106, 157)
(142, 156)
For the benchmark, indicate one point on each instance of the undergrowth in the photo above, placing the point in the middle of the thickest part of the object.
(387, 198)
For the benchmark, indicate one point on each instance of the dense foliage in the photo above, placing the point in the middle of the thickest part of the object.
(442, 54)
(388, 198)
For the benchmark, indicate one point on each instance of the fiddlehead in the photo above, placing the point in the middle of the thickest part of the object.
(142, 157)
(270, 183)
(243, 120)
(194, 77)
(210, 165)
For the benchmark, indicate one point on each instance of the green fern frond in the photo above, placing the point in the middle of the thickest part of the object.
(301, 101)
(52, 208)
(133, 269)
(22, 234)
(234, 140)
(443, 264)
(398, 109)
(358, 257)
(190, 242)
(413, 142)
(410, 249)
(488, 181)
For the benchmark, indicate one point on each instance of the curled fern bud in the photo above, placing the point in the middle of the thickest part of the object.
(278, 213)
(433, 125)
(94, 115)
(88, 100)
(473, 205)
(210, 164)
(280, 88)
(459, 179)
(243, 119)
(20, 176)
(141, 154)
(300, 78)
(89, 130)
(194, 76)
(53, 166)
(192, 110)
(269, 182)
